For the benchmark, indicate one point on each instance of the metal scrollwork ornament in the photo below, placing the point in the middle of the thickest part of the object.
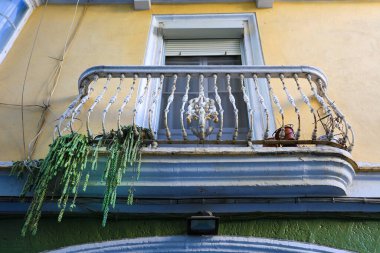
(202, 109)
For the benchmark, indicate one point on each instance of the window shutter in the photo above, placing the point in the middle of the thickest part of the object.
(204, 47)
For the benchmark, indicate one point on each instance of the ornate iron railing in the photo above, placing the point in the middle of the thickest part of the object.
(254, 96)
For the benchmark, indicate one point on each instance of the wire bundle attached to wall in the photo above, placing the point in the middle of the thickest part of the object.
(66, 161)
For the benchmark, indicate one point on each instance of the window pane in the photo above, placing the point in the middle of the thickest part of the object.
(6, 31)
(12, 12)
(17, 12)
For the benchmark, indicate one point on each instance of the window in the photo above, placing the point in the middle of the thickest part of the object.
(168, 44)
(204, 52)
(13, 15)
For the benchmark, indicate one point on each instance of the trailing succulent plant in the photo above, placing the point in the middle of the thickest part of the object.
(67, 158)
(124, 153)
(66, 162)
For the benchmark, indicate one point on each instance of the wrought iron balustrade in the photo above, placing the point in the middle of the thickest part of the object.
(213, 104)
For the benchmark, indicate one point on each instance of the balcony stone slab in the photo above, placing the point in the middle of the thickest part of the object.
(206, 172)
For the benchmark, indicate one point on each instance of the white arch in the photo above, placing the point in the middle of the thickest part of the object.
(205, 244)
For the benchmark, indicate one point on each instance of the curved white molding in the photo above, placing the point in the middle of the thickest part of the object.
(199, 244)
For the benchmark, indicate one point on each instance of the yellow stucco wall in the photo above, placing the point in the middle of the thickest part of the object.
(341, 38)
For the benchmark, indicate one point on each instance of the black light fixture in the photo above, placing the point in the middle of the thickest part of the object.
(204, 223)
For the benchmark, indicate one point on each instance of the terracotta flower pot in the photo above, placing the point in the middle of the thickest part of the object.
(289, 133)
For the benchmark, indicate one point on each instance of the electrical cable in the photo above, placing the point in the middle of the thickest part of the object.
(57, 71)
(26, 75)
(6, 104)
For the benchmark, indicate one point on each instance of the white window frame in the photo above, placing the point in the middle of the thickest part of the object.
(206, 26)
(3, 53)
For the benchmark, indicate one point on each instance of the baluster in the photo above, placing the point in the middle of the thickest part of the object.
(140, 100)
(221, 111)
(185, 98)
(202, 112)
(67, 113)
(250, 110)
(306, 101)
(77, 110)
(261, 100)
(276, 101)
(170, 100)
(126, 101)
(330, 132)
(155, 95)
(112, 101)
(341, 117)
(236, 111)
(293, 103)
(97, 100)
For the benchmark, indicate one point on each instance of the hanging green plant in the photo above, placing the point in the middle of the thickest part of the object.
(28, 169)
(94, 163)
(66, 161)
(67, 157)
(124, 153)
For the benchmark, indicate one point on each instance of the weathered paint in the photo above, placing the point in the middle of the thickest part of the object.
(339, 37)
(361, 235)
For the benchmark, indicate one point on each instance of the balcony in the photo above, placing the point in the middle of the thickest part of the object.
(219, 131)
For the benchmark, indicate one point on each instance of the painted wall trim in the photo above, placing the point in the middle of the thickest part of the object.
(199, 244)
(368, 167)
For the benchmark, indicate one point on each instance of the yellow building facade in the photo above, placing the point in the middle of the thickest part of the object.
(323, 34)
(60, 41)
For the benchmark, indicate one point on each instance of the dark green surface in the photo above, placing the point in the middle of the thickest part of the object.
(362, 235)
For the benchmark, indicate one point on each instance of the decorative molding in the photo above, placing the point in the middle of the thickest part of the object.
(199, 244)
(369, 167)
(6, 164)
